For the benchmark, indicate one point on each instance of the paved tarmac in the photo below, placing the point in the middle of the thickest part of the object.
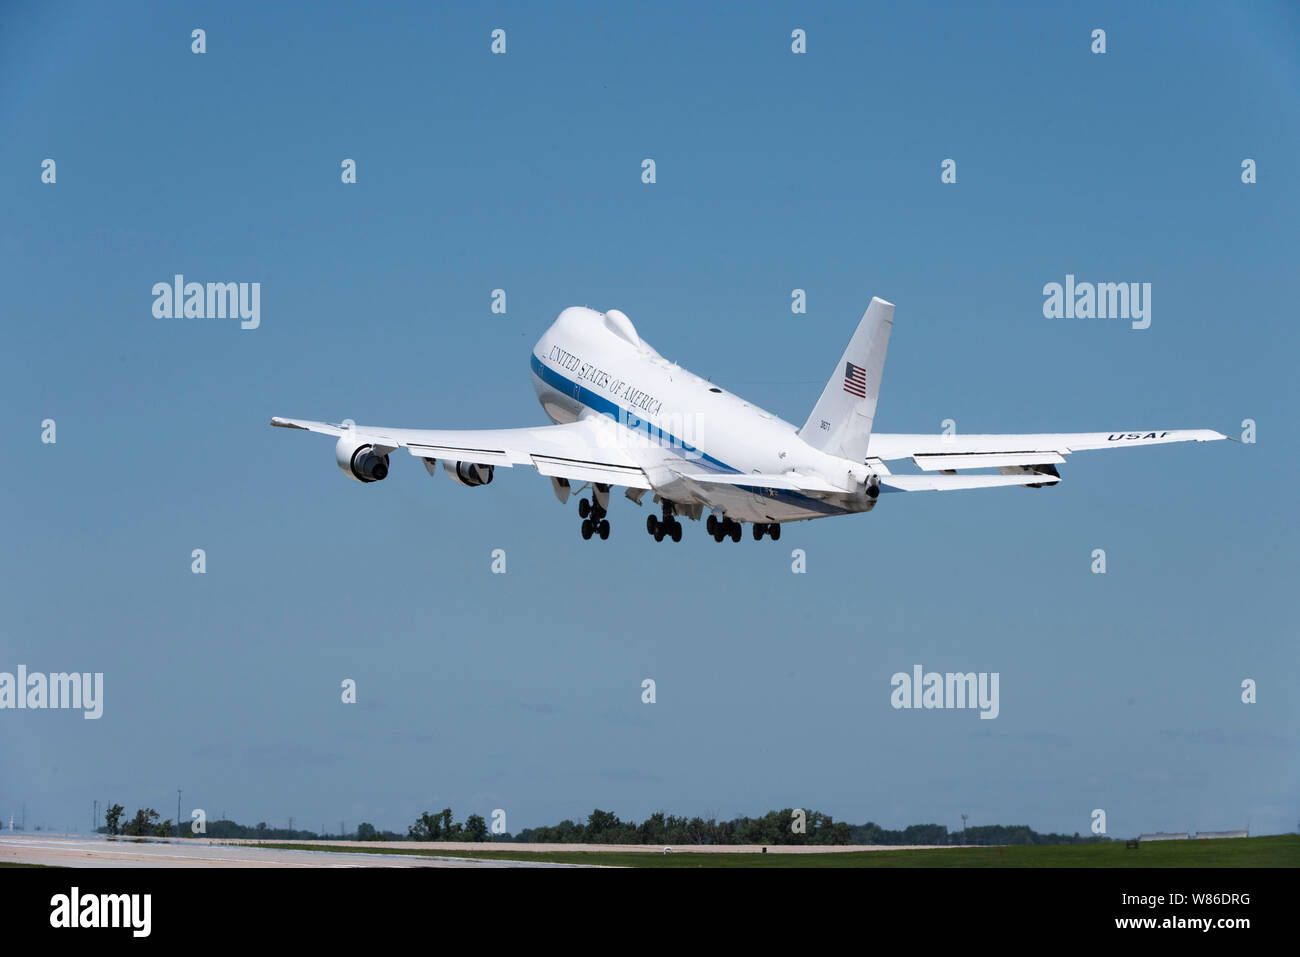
(93, 852)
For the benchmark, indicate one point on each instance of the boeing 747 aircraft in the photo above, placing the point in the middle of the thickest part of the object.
(626, 417)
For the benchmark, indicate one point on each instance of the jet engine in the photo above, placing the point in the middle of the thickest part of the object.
(360, 461)
(468, 473)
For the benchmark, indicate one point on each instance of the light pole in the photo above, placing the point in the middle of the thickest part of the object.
(963, 828)
(178, 812)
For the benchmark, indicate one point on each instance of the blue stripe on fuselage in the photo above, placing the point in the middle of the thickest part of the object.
(607, 407)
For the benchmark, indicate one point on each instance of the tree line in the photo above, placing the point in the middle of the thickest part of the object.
(787, 826)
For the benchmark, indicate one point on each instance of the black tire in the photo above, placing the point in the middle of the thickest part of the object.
(735, 531)
(676, 531)
(584, 507)
(603, 528)
(774, 531)
(651, 523)
(712, 525)
(586, 527)
(758, 531)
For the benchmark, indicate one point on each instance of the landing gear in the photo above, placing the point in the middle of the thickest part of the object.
(665, 527)
(594, 521)
(772, 530)
(721, 529)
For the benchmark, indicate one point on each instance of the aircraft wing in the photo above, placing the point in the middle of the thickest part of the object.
(1017, 453)
(589, 450)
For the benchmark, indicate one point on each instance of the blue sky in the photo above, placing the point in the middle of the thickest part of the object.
(775, 171)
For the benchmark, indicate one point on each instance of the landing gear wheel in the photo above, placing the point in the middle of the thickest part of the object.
(660, 532)
(603, 529)
(584, 508)
(587, 528)
(651, 523)
(676, 531)
(774, 531)
(758, 531)
(735, 531)
(712, 526)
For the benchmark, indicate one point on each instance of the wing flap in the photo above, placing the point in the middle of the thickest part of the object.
(952, 483)
(984, 460)
(603, 473)
(463, 454)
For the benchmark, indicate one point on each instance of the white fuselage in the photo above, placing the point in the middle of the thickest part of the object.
(591, 363)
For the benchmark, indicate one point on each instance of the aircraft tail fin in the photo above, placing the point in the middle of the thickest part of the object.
(841, 421)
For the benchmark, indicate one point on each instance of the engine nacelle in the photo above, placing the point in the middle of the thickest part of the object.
(468, 473)
(360, 461)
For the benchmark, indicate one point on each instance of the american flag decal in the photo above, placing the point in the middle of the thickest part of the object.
(855, 380)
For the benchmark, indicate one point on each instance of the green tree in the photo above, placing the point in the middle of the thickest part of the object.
(143, 824)
(427, 827)
(366, 832)
(448, 829)
(602, 827)
(113, 819)
(653, 830)
(476, 828)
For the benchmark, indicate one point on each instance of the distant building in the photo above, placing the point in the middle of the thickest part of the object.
(1214, 835)
(1165, 837)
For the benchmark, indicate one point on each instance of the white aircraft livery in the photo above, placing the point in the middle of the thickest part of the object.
(625, 416)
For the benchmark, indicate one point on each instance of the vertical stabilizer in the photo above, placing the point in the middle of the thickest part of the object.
(840, 423)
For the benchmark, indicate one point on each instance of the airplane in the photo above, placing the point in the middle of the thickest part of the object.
(624, 416)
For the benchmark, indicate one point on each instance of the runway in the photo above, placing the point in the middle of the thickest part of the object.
(92, 852)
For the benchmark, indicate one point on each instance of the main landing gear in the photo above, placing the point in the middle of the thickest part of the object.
(594, 521)
(720, 529)
(668, 526)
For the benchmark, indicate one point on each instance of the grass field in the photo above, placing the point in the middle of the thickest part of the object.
(1277, 851)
